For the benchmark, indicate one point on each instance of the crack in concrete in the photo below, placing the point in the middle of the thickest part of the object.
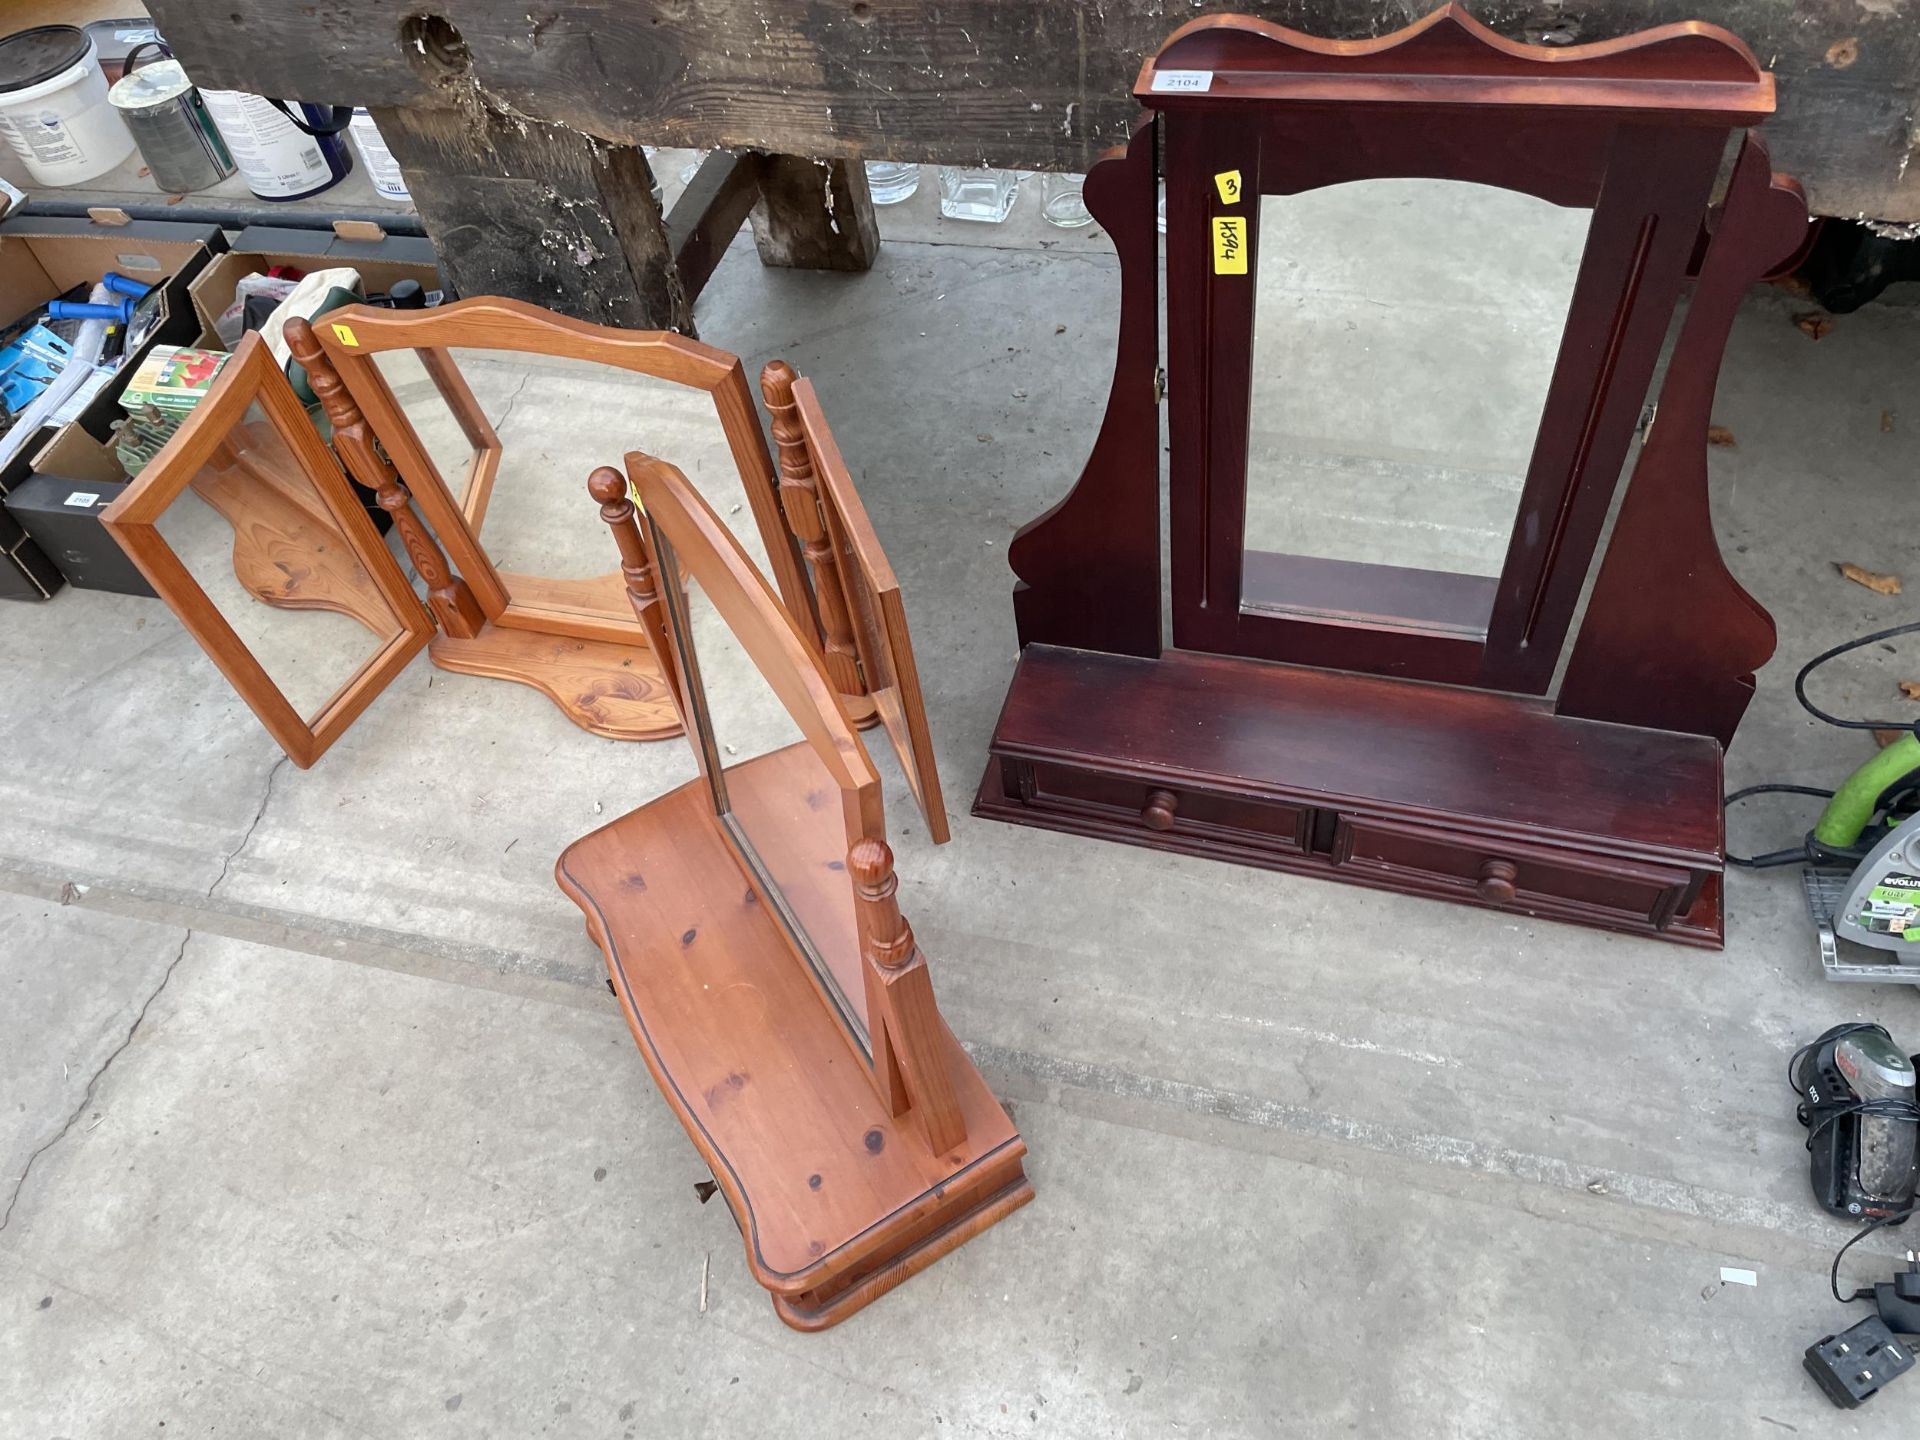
(512, 400)
(86, 1098)
(245, 839)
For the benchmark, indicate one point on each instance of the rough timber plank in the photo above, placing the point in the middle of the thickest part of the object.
(1038, 84)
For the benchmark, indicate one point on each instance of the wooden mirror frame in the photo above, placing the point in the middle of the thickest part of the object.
(766, 631)
(352, 336)
(1634, 128)
(253, 374)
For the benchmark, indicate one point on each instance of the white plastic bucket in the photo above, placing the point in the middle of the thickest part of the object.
(53, 106)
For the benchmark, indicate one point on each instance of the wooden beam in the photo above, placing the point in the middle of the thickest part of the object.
(708, 214)
(1024, 84)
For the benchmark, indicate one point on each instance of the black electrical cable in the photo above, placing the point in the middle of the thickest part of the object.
(1799, 855)
(1833, 1275)
(1800, 681)
(1795, 856)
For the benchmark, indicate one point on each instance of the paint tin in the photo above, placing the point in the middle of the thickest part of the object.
(170, 124)
(280, 160)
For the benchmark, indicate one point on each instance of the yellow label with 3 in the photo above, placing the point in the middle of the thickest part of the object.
(1227, 182)
(1229, 244)
(345, 335)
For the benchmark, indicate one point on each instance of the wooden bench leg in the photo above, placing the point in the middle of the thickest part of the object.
(540, 213)
(709, 213)
(815, 214)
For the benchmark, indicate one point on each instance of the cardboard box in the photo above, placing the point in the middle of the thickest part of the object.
(62, 517)
(259, 248)
(41, 259)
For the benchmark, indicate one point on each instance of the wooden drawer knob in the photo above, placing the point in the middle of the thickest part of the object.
(1496, 881)
(1158, 811)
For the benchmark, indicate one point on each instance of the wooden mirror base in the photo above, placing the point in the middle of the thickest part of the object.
(836, 1200)
(1483, 798)
(613, 690)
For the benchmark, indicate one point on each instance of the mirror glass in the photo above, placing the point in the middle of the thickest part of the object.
(782, 808)
(1405, 333)
(255, 534)
(550, 421)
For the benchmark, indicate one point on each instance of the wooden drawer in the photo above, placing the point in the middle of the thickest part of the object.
(1499, 872)
(1166, 810)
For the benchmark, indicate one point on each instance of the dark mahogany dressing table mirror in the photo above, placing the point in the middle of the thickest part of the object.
(1393, 447)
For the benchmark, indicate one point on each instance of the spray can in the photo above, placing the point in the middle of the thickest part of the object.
(382, 169)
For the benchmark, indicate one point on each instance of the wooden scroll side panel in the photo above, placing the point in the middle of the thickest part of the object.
(878, 615)
(1671, 641)
(1089, 568)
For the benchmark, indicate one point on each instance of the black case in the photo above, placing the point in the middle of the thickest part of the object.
(62, 517)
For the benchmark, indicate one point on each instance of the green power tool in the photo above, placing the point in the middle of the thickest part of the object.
(1862, 856)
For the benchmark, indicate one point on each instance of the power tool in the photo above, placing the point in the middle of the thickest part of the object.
(1857, 1100)
(1862, 855)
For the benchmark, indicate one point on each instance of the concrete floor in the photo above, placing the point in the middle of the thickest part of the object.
(316, 1118)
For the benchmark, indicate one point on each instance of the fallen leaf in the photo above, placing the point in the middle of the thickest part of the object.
(1794, 285)
(1872, 579)
(1886, 422)
(1843, 53)
(983, 437)
(1884, 738)
(1059, 329)
(1721, 435)
(1910, 689)
(1813, 325)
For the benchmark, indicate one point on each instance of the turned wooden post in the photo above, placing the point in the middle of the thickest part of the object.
(903, 1024)
(800, 500)
(454, 607)
(610, 488)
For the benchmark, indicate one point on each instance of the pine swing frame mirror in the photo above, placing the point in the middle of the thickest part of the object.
(854, 1139)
